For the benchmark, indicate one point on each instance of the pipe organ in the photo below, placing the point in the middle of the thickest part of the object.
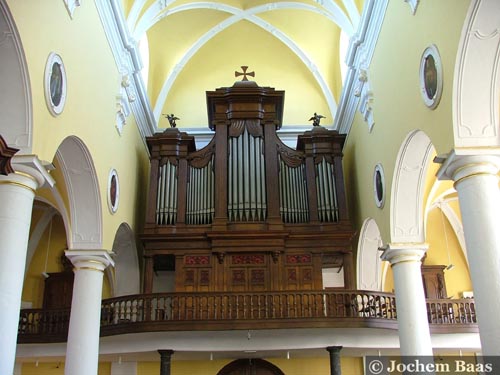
(247, 212)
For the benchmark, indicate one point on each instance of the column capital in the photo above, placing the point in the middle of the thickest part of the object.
(334, 349)
(462, 163)
(97, 260)
(404, 252)
(29, 172)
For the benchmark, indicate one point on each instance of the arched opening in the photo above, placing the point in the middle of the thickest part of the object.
(408, 188)
(369, 268)
(127, 274)
(250, 366)
(77, 167)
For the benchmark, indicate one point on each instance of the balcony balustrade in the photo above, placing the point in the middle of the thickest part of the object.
(246, 310)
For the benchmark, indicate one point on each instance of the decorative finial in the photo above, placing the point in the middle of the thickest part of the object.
(244, 74)
(171, 119)
(6, 154)
(316, 119)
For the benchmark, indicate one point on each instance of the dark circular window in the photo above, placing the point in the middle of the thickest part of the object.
(56, 84)
(379, 185)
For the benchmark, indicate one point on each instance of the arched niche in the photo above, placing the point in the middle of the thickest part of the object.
(127, 279)
(250, 366)
(369, 264)
(408, 185)
(82, 190)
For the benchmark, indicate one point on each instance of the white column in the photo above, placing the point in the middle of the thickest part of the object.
(82, 351)
(476, 181)
(17, 191)
(413, 326)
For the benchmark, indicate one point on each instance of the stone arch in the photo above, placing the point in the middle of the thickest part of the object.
(256, 365)
(369, 264)
(476, 86)
(15, 96)
(407, 198)
(127, 279)
(82, 188)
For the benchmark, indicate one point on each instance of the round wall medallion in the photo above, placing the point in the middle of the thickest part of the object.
(113, 191)
(431, 77)
(55, 84)
(379, 185)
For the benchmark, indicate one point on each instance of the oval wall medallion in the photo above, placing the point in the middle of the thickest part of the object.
(431, 77)
(379, 185)
(55, 84)
(113, 191)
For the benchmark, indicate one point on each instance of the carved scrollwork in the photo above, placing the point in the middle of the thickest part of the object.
(290, 157)
(238, 127)
(200, 158)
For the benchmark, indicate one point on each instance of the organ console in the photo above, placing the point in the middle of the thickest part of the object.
(246, 212)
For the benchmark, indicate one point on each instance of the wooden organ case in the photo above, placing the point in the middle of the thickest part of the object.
(247, 212)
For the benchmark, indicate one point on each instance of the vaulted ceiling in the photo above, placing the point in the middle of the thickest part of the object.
(190, 47)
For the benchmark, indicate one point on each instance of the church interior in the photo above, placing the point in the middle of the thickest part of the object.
(247, 187)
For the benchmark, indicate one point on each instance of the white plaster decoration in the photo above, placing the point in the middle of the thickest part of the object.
(71, 6)
(476, 181)
(431, 76)
(413, 327)
(238, 15)
(55, 84)
(15, 96)
(122, 112)
(407, 193)
(359, 56)
(82, 186)
(476, 88)
(17, 192)
(352, 10)
(369, 272)
(364, 92)
(413, 5)
(82, 353)
(126, 54)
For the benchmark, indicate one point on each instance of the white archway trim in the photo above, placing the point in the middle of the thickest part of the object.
(453, 219)
(37, 232)
(407, 198)
(369, 264)
(127, 279)
(352, 10)
(82, 187)
(239, 15)
(15, 96)
(476, 86)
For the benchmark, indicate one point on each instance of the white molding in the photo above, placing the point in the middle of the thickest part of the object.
(408, 188)
(476, 85)
(431, 51)
(369, 272)
(359, 56)
(85, 209)
(15, 97)
(128, 62)
(71, 6)
(413, 5)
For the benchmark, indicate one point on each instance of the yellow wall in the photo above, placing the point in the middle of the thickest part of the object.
(57, 368)
(398, 107)
(45, 259)
(302, 366)
(90, 110)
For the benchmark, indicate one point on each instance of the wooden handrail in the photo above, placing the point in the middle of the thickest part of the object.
(244, 310)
